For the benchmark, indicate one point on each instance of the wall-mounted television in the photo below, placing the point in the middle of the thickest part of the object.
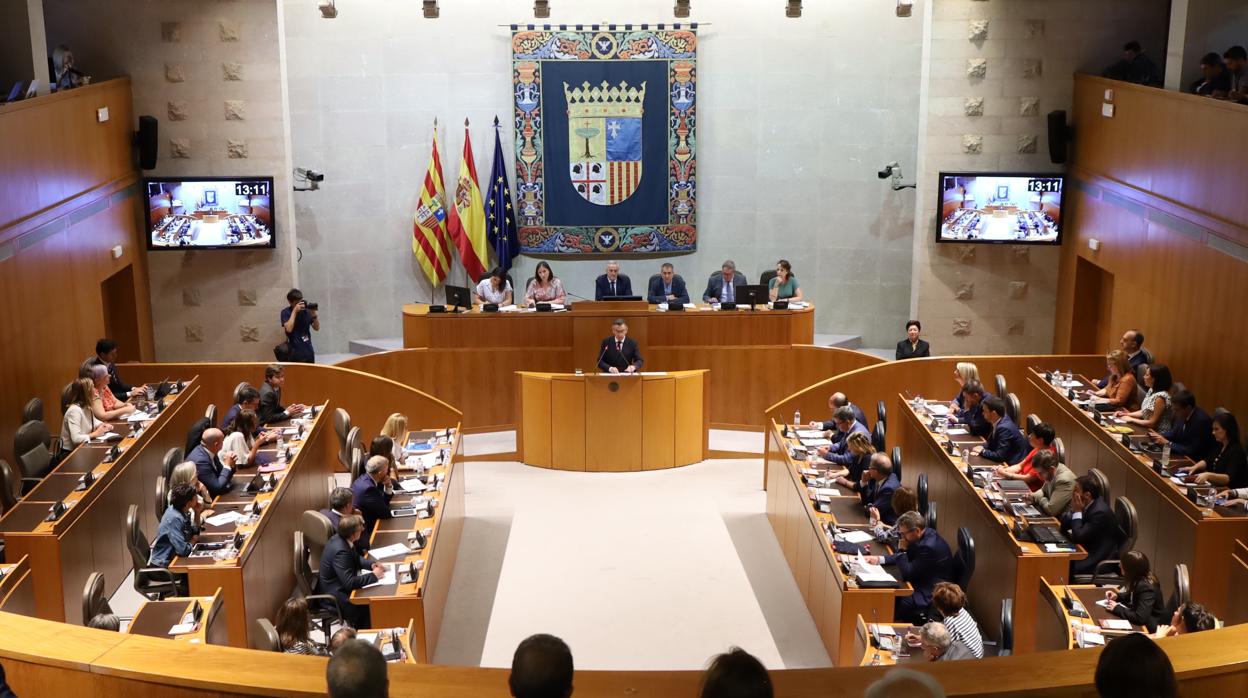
(209, 213)
(1005, 208)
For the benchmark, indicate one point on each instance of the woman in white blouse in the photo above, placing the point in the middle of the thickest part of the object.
(396, 428)
(544, 288)
(242, 442)
(80, 425)
(494, 288)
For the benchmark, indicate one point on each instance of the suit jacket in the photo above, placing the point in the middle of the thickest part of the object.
(839, 452)
(925, 563)
(342, 570)
(372, 502)
(880, 495)
(1054, 498)
(1096, 530)
(906, 351)
(715, 287)
(271, 409)
(858, 415)
(626, 356)
(956, 651)
(602, 287)
(1006, 444)
(1142, 604)
(1193, 437)
(115, 384)
(334, 517)
(974, 420)
(655, 293)
(210, 471)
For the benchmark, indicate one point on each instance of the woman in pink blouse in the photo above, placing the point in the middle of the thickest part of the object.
(544, 288)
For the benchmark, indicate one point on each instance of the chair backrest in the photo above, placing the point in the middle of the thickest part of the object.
(302, 565)
(316, 529)
(766, 277)
(896, 458)
(265, 637)
(921, 491)
(1102, 481)
(1059, 447)
(735, 275)
(355, 439)
(66, 394)
(932, 521)
(37, 462)
(1182, 585)
(10, 487)
(1006, 647)
(136, 542)
(1148, 356)
(1012, 407)
(162, 496)
(357, 463)
(881, 413)
(173, 458)
(33, 411)
(1000, 383)
(877, 437)
(238, 389)
(1128, 524)
(29, 435)
(94, 602)
(342, 427)
(964, 559)
(1032, 421)
(196, 433)
(650, 281)
(210, 414)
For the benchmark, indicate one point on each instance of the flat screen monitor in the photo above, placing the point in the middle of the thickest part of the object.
(458, 296)
(209, 213)
(1002, 208)
(752, 294)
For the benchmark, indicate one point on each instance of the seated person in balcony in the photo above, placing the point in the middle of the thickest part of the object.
(837, 400)
(271, 409)
(79, 424)
(176, 535)
(846, 424)
(1120, 388)
(1135, 67)
(612, 283)
(1040, 438)
(1228, 468)
(545, 287)
(1236, 58)
(248, 399)
(1155, 411)
(1139, 601)
(783, 286)
(924, 561)
(722, 288)
(971, 415)
(213, 468)
(494, 288)
(1215, 79)
(1058, 486)
(912, 347)
(1005, 442)
(1191, 430)
(1090, 523)
(104, 406)
(667, 287)
(878, 493)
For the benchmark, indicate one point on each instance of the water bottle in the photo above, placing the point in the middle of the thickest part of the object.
(797, 418)
(966, 456)
(1070, 377)
(281, 443)
(1165, 456)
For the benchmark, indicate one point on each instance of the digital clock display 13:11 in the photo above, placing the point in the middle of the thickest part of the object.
(1047, 184)
(261, 188)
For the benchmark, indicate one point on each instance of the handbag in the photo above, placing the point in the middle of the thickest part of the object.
(281, 352)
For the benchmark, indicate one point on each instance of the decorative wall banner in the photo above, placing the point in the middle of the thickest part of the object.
(605, 139)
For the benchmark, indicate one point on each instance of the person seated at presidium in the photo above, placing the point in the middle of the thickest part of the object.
(612, 284)
(836, 400)
(783, 286)
(1140, 600)
(271, 409)
(912, 347)
(1228, 467)
(79, 424)
(344, 570)
(971, 415)
(1090, 523)
(1058, 488)
(846, 424)
(667, 287)
(1155, 411)
(618, 353)
(494, 288)
(1191, 429)
(1040, 438)
(293, 620)
(243, 442)
(248, 399)
(722, 288)
(924, 561)
(545, 287)
(213, 468)
(1120, 388)
(104, 405)
(176, 534)
(373, 491)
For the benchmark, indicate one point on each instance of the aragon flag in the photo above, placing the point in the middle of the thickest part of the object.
(467, 224)
(429, 235)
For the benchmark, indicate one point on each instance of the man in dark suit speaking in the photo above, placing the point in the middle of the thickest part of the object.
(618, 353)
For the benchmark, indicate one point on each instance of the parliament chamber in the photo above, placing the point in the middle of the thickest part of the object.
(73, 268)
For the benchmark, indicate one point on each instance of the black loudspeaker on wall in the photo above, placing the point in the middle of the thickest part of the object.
(1059, 136)
(145, 138)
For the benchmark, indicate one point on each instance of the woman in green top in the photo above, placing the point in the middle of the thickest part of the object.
(784, 285)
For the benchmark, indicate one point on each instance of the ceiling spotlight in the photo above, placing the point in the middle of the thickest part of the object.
(793, 8)
(905, 8)
(541, 9)
(431, 9)
(681, 9)
(328, 10)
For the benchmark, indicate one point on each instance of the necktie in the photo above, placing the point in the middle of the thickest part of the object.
(613, 288)
(728, 291)
(619, 346)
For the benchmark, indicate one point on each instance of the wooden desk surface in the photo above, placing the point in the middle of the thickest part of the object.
(17, 591)
(156, 618)
(382, 639)
(880, 646)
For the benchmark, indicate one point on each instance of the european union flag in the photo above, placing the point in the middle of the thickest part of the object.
(500, 218)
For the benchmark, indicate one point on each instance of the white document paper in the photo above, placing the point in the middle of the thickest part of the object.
(815, 443)
(508, 308)
(387, 578)
(652, 373)
(389, 551)
(370, 638)
(182, 629)
(827, 492)
(139, 417)
(809, 434)
(1103, 603)
(939, 409)
(856, 537)
(957, 432)
(225, 518)
(412, 485)
(110, 436)
(884, 630)
(1116, 624)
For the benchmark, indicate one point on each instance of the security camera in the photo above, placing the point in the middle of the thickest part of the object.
(888, 170)
(328, 9)
(893, 170)
(311, 177)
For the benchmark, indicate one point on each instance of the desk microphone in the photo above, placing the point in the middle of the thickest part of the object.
(605, 347)
(566, 292)
(875, 635)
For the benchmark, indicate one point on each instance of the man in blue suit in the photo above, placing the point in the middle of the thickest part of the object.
(344, 570)
(846, 424)
(924, 561)
(1090, 523)
(613, 283)
(971, 415)
(836, 400)
(667, 287)
(1192, 432)
(882, 482)
(216, 474)
(1006, 444)
(340, 505)
(722, 288)
(373, 492)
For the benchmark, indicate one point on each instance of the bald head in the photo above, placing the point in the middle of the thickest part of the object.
(212, 439)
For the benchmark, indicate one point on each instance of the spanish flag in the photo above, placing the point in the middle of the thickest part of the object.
(467, 224)
(429, 236)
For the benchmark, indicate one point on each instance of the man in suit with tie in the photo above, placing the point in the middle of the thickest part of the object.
(836, 400)
(373, 492)
(271, 409)
(618, 353)
(248, 399)
(722, 287)
(613, 283)
(1191, 433)
(344, 570)
(882, 482)
(340, 505)
(215, 473)
(1090, 523)
(924, 560)
(1006, 444)
(667, 287)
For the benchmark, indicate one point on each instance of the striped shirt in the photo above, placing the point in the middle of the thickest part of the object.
(962, 628)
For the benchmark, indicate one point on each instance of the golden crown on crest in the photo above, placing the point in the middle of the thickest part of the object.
(604, 99)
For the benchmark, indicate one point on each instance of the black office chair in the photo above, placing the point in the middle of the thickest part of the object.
(11, 486)
(162, 497)
(153, 583)
(930, 517)
(34, 436)
(964, 559)
(210, 414)
(896, 458)
(327, 614)
(265, 637)
(94, 602)
(1059, 448)
(1012, 407)
(1103, 481)
(486, 275)
(1007, 628)
(316, 530)
(877, 437)
(33, 411)
(358, 460)
(1148, 357)
(1032, 421)
(1182, 588)
(172, 459)
(921, 491)
(238, 389)
(881, 413)
(1128, 525)
(1000, 383)
(342, 427)
(196, 433)
(766, 277)
(735, 275)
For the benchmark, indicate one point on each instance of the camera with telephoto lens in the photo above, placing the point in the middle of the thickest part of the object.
(312, 306)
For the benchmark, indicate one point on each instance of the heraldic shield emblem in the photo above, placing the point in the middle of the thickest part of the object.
(604, 140)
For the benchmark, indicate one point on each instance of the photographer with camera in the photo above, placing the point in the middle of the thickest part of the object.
(298, 321)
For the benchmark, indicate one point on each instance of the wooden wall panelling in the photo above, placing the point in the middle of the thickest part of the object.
(1238, 611)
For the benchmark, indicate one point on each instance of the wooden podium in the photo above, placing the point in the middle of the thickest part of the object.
(612, 422)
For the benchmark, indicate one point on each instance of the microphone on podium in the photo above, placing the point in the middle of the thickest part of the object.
(598, 363)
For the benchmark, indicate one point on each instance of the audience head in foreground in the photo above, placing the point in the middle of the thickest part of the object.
(357, 670)
(1135, 667)
(541, 668)
(905, 683)
(736, 674)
